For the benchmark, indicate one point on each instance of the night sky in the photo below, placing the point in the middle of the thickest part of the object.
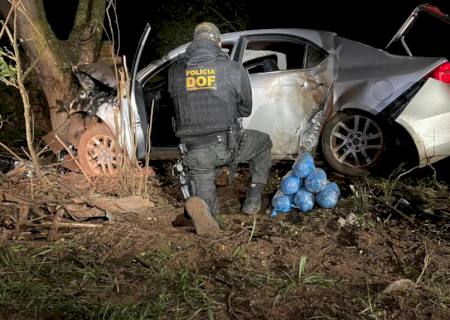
(372, 22)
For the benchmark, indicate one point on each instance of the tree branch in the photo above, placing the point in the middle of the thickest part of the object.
(98, 16)
(5, 7)
(87, 32)
(81, 18)
(30, 68)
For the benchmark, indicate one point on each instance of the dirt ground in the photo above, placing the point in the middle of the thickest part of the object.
(297, 266)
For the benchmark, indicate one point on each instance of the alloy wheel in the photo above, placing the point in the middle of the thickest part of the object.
(356, 141)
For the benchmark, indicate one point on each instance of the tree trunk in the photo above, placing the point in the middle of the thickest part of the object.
(52, 58)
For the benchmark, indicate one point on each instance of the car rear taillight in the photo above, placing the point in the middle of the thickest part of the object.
(442, 73)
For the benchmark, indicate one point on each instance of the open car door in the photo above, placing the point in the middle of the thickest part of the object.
(134, 115)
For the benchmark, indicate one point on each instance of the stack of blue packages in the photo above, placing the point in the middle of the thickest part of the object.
(303, 186)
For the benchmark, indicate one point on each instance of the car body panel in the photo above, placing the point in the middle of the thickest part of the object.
(370, 79)
(284, 101)
(427, 120)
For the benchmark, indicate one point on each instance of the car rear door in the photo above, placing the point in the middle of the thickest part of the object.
(292, 83)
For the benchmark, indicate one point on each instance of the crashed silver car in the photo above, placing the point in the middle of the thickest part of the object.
(310, 89)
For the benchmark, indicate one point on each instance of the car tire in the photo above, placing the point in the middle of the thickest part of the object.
(98, 151)
(354, 143)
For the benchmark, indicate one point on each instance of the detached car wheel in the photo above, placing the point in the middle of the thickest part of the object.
(353, 144)
(98, 152)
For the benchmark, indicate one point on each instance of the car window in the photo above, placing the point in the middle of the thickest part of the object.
(314, 55)
(279, 55)
(257, 61)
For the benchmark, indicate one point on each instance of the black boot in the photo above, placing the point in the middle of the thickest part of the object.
(252, 203)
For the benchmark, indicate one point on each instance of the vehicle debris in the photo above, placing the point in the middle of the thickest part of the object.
(350, 220)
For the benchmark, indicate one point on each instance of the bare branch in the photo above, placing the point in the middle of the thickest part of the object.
(8, 33)
(11, 152)
(6, 20)
(30, 68)
(24, 95)
(10, 57)
(9, 83)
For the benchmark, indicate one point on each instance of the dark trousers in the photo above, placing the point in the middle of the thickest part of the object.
(202, 164)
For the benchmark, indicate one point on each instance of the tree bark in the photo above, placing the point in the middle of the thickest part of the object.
(53, 58)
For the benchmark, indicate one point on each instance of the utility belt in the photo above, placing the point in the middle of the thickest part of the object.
(228, 138)
(204, 141)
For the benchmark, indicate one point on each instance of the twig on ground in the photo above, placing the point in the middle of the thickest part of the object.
(231, 313)
(253, 228)
(399, 212)
(53, 230)
(142, 261)
(426, 262)
(64, 225)
(23, 214)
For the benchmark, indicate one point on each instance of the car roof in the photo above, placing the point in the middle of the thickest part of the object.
(323, 39)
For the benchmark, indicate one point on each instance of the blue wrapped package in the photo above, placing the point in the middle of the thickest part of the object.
(316, 181)
(281, 203)
(304, 165)
(328, 197)
(290, 184)
(304, 200)
(334, 186)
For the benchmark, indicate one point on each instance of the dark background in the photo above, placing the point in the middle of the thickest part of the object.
(371, 22)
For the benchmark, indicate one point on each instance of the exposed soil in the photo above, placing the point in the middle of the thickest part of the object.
(139, 266)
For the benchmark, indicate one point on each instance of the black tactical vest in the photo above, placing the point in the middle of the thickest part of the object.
(204, 99)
